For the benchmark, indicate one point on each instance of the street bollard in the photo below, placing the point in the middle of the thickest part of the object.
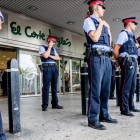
(118, 86)
(13, 96)
(137, 88)
(84, 89)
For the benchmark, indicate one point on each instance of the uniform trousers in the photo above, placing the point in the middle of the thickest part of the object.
(128, 85)
(50, 75)
(99, 71)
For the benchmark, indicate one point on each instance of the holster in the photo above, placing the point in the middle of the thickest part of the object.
(41, 68)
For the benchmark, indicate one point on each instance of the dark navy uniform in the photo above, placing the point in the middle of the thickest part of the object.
(99, 71)
(128, 63)
(50, 75)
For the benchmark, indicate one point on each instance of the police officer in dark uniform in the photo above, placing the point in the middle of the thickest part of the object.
(99, 66)
(49, 57)
(125, 51)
(138, 40)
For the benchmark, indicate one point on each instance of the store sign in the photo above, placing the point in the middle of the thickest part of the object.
(16, 30)
(61, 41)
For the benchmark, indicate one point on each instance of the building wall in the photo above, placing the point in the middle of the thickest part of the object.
(14, 34)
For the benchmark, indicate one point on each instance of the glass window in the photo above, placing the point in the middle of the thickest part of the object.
(67, 75)
(76, 87)
(29, 74)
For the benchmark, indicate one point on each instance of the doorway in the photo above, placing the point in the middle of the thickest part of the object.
(6, 54)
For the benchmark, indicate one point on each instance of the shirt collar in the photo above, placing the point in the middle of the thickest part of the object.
(128, 31)
(93, 16)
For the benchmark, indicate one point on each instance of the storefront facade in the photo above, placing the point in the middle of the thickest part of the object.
(21, 37)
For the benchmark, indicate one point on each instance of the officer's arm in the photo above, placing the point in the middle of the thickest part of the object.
(95, 35)
(116, 51)
(46, 54)
(55, 57)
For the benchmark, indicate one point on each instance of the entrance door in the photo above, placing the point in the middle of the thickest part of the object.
(76, 87)
(71, 74)
(5, 55)
(66, 74)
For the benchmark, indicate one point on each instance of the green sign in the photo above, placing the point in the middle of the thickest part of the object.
(61, 41)
(16, 30)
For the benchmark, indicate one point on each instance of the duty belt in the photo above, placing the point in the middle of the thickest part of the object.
(48, 65)
(122, 61)
(101, 53)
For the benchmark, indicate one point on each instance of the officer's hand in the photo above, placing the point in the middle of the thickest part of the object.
(51, 44)
(100, 20)
(107, 25)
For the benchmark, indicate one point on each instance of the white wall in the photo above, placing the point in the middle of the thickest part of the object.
(22, 41)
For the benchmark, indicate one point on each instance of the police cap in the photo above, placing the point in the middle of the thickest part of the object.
(131, 19)
(98, 2)
(52, 37)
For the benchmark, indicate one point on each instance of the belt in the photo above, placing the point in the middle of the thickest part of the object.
(101, 53)
(128, 58)
(48, 65)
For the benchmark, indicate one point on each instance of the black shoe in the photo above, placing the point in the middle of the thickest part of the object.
(57, 107)
(127, 113)
(135, 110)
(96, 125)
(44, 109)
(112, 98)
(108, 120)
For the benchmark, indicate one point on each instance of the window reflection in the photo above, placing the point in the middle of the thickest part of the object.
(76, 76)
(29, 74)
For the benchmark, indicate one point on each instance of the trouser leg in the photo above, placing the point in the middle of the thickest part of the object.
(47, 74)
(54, 86)
(133, 88)
(126, 81)
(105, 88)
(95, 68)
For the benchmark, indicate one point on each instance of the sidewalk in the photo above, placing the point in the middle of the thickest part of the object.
(68, 124)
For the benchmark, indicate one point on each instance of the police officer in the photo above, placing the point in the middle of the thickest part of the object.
(138, 40)
(125, 51)
(2, 135)
(49, 57)
(98, 35)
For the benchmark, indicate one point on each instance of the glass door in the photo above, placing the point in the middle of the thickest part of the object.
(66, 74)
(29, 74)
(76, 87)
